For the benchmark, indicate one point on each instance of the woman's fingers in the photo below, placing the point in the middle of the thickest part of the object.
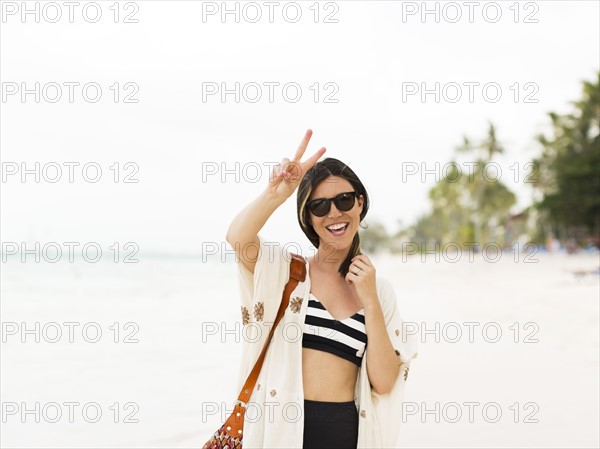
(283, 167)
(295, 169)
(360, 264)
(280, 168)
(302, 148)
(306, 165)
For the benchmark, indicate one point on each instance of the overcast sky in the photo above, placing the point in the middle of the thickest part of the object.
(360, 70)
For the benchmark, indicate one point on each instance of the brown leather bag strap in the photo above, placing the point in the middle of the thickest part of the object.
(297, 273)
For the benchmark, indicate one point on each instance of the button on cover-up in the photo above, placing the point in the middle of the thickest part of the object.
(275, 412)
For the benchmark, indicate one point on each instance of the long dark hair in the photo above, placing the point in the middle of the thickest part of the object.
(316, 174)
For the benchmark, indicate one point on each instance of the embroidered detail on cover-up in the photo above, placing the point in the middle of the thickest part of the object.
(295, 304)
(259, 310)
(245, 315)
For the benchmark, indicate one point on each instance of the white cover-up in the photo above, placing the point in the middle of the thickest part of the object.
(275, 411)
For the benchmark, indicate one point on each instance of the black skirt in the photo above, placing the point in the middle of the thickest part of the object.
(331, 425)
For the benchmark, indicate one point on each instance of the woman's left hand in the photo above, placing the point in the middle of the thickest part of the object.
(361, 275)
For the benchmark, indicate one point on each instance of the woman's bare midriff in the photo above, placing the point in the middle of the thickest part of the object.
(327, 377)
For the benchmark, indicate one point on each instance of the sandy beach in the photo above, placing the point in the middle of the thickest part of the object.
(508, 354)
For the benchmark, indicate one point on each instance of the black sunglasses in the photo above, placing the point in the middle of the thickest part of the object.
(321, 206)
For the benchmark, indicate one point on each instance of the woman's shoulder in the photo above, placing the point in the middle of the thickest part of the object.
(272, 254)
(385, 289)
(387, 297)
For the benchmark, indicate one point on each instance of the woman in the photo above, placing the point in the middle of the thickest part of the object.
(340, 309)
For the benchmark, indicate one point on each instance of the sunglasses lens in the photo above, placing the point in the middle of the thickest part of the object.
(345, 202)
(319, 207)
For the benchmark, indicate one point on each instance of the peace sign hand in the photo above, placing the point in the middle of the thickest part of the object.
(286, 176)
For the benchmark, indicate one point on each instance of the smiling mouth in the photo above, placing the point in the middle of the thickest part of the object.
(338, 232)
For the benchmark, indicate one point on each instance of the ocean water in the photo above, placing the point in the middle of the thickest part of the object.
(168, 351)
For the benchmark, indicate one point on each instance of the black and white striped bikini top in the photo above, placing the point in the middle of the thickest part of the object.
(345, 338)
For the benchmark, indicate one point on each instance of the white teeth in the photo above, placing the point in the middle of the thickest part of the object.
(337, 226)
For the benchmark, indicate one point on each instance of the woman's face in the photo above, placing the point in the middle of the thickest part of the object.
(329, 188)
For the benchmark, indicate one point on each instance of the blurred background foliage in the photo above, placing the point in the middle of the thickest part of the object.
(474, 206)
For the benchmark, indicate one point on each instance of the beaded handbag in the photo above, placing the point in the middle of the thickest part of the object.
(230, 434)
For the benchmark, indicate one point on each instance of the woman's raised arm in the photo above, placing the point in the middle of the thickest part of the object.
(243, 231)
